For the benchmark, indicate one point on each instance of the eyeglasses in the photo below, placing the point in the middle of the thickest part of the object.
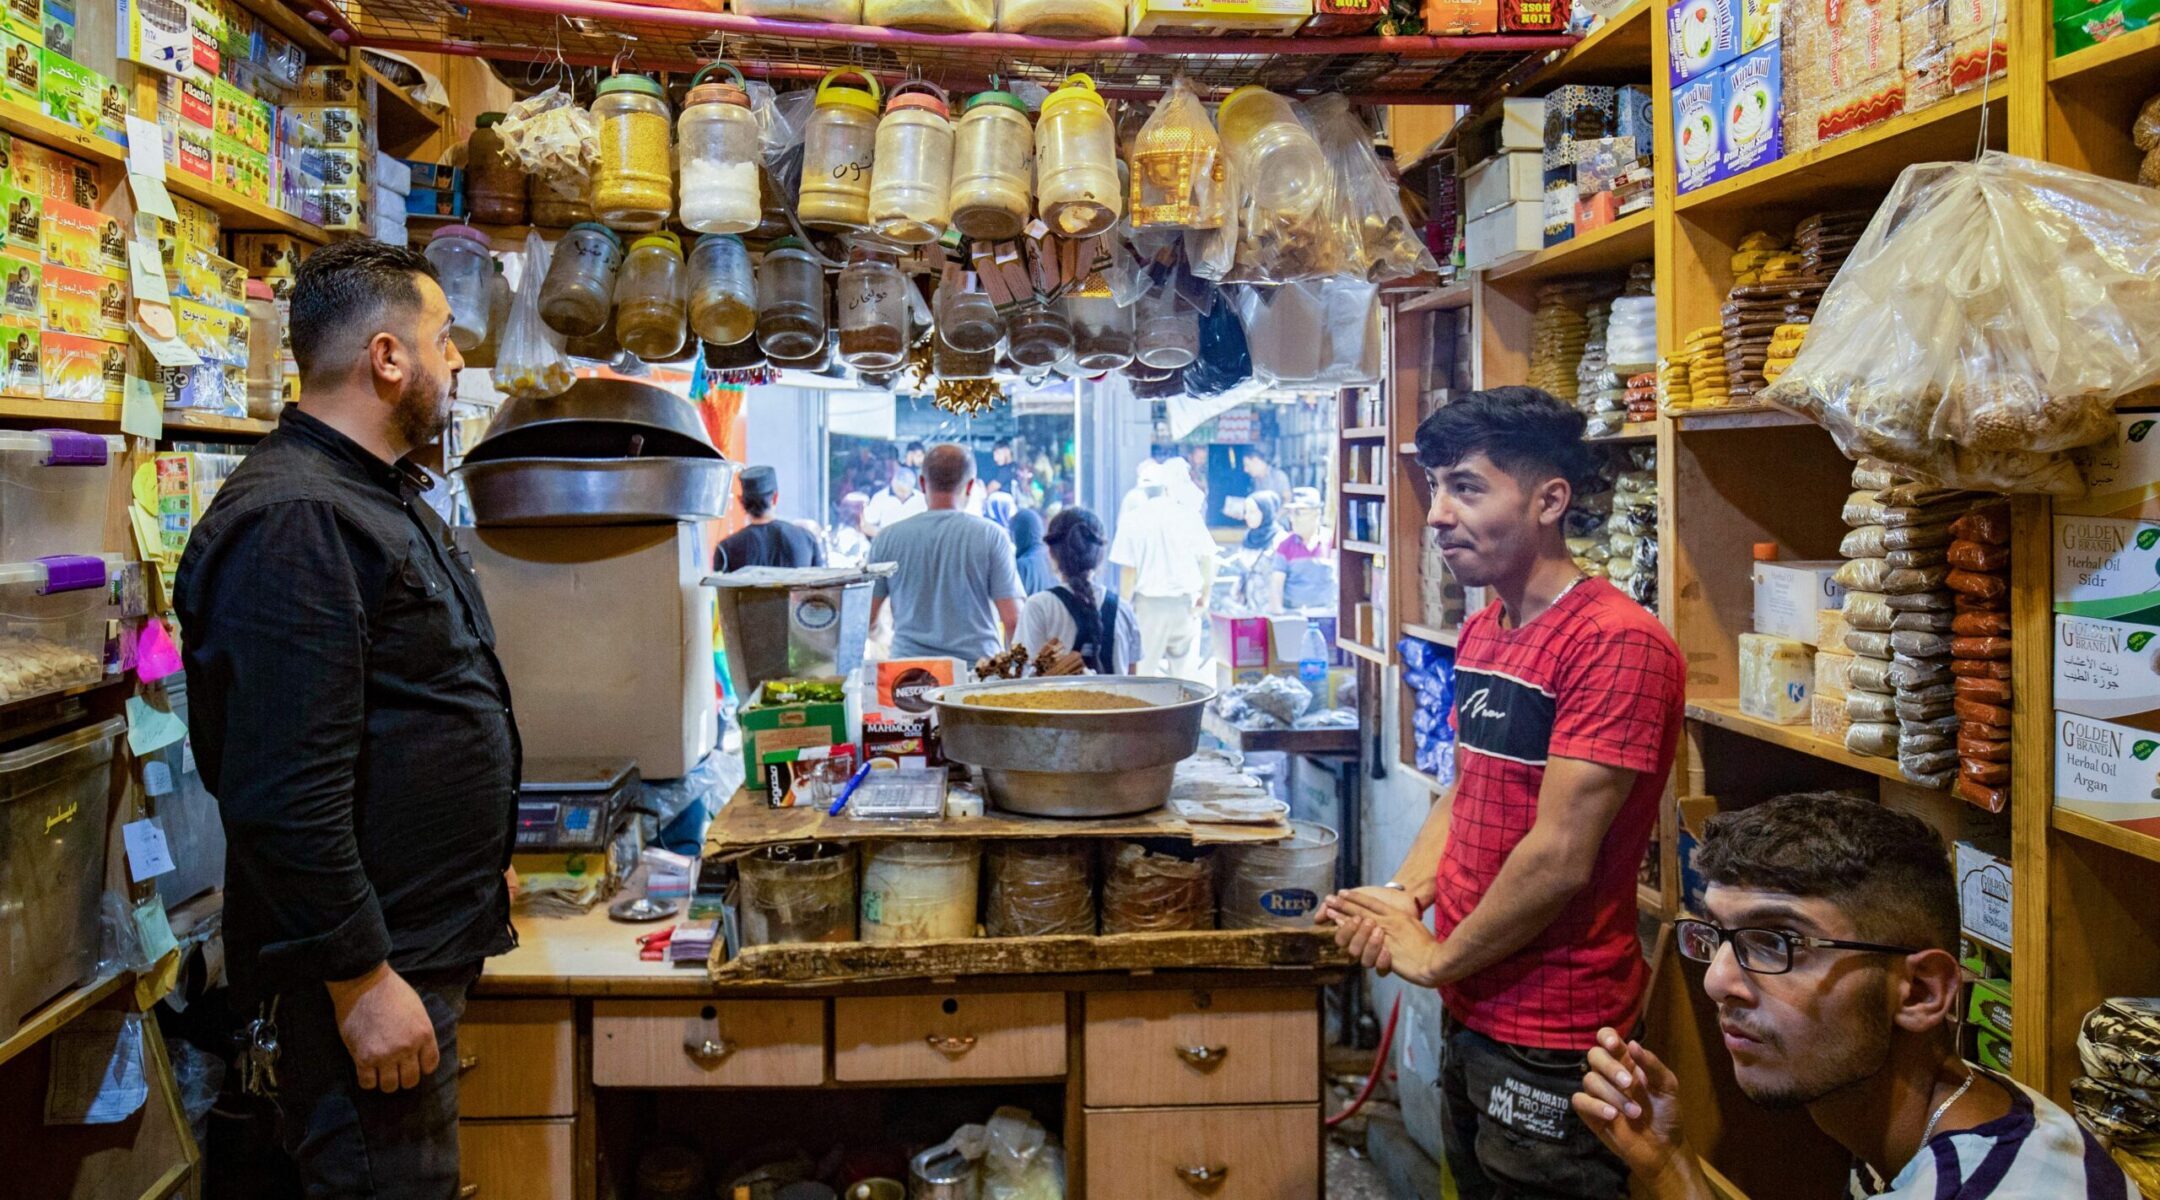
(1761, 951)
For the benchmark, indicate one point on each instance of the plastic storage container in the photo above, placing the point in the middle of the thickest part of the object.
(464, 267)
(53, 831)
(917, 891)
(723, 293)
(967, 320)
(1063, 18)
(993, 168)
(839, 152)
(632, 185)
(558, 203)
(910, 193)
(791, 302)
(797, 893)
(1102, 330)
(717, 155)
(52, 623)
(1281, 161)
(900, 793)
(1156, 885)
(1278, 884)
(1167, 333)
(1076, 173)
(1037, 336)
(495, 185)
(873, 303)
(55, 491)
(266, 357)
(1039, 887)
(651, 309)
(579, 291)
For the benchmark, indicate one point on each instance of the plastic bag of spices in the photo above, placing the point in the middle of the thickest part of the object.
(531, 364)
(552, 136)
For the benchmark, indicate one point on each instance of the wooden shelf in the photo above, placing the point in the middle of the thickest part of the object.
(1650, 900)
(107, 418)
(2093, 829)
(311, 38)
(1406, 448)
(1866, 160)
(1630, 239)
(1736, 416)
(44, 1021)
(1442, 637)
(1360, 650)
(401, 124)
(1439, 299)
(1726, 714)
(1365, 489)
(2133, 58)
(1364, 547)
(178, 421)
(1616, 52)
(1632, 431)
(1365, 433)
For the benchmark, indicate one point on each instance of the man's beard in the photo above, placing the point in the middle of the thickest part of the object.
(422, 411)
(1855, 1057)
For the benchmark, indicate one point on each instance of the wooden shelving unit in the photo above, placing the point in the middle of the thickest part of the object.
(1612, 247)
(1360, 562)
(63, 1008)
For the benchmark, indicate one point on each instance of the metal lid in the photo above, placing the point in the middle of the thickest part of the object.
(597, 418)
(575, 774)
(1005, 98)
(487, 119)
(632, 83)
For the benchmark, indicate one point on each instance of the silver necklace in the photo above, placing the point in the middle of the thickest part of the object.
(1937, 1118)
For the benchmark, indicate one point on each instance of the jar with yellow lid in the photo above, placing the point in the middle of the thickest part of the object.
(839, 149)
(651, 307)
(1279, 160)
(910, 193)
(1076, 173)
(993, 172)
(723, 294)
(717, 154)
(633, 179)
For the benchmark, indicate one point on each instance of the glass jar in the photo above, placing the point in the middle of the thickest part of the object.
(463, 266)
(1036, 336)
(1279, 158)
(967, 320)
(791, 301)
(717, 156)
(494, 183)
(839, 148)
(993, 168)
(579, 290)
(911, 191)
(554, 203)
(266, 361)
(1076, 174)
(723, 296)
(949, 363)
(1102, 329)
(650, 307)
(631, 182)
(1168, 331)
(873, 311)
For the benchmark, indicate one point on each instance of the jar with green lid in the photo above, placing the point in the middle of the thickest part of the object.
(791, 301)
(553, 203)
(494, 183)
(1102, 329)
(1076, 170)
(579, 290)
(839, 149)
(650, 299)
(1037, 335)
(873, 303)
(632, 181)
(464, 267)
(717, 156)
(910, 193)
(993, 168)
(723, 295)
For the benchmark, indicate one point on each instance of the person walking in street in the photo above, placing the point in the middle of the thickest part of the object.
(765, 542)
(1163, 541)
(955, 589)
(1076, 613)
(895, 502)
(1030, 555)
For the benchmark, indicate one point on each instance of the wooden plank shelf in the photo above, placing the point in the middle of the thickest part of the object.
(1439, 637)
(1334, 740)
(1632, 431)
(1450, 296)
(1360, 650)
(2093, 829)
(1726, 714)
(402, 124)
(40, 1024)
(1631, 239)
(1364, 547)
(177, 423)
(2133, 58)
(105, 417)
(1614, 53)
(1863, 161)
(1365, 433)
(1735, 416)
(822, 964)
(1365, 489)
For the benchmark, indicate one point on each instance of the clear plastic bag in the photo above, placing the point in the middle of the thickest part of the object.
(1875, 738)
(1869, 706)
(1178, 164)
(1907, 672)
(552, 136)
(2027, 298)
(1862, 575)
(1933, 556)
(1924, 622)
(1021, 1161)
(1280, 246)
(531, 364)
(1870, 675)
(1868, 645)
(1866, 541)
(2145, 131)
(1392, 245)
(1868, 611)
(1062, 18)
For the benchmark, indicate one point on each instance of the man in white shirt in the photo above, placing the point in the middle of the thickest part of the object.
(894, 503)
(1832, 949)
(1164, 542)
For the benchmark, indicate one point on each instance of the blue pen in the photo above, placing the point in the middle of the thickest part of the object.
(853, 782)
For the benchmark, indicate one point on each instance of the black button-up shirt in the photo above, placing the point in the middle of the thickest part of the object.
(350, 716)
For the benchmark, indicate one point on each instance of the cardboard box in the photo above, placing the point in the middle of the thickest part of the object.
(264, 255)
(193, 153)
(21, 375)
(1242, 641)
(2108, 772)
(1458, 18)
(1534, 16)
(440, 176)
(769, 729)
(1751, 129)
(1833, 673)
(22, 70)
(2107, 569)
(1697, 147)
(337, 126)
(87, 305)
(1634, 116)
(1992, 1052)
(1759, 21)
(1987, 1006)
(22, 218)
(1559, 204)
(1208, 18)
(2122, 474)
(344, 210)
(1338, 18)
(1788, 594)
(1777, 678)
(1503, 234)
(155, 33)
(1983, 894)
(2109, 670)
(22, 292)
(796, 777)
(1505, 178)
(82, 368)
(1575, 114)
(344, 83)
(58, 25)
(1703, 36)
(81, 239)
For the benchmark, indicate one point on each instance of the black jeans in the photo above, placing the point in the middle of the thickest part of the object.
(1507, 1126)
(351, 1143)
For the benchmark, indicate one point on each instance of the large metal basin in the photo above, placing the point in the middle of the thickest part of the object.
(1076, 762)
(596, 491)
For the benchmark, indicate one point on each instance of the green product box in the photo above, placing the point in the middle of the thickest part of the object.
(88, 100)
(22, 70)
(1992, 1052)
(59, 25)
(22, 293)
(1988, 1007)
(24, 215)
(2085, 26)
(24, 19)
(772, 722)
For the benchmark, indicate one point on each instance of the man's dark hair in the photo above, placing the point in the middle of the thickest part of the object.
(1527, 432)
(1887, 870)
(912, 447)
(947, 468)
(756, 504)
(342, 290)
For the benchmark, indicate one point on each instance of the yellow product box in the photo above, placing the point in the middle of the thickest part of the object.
(206, 328)
(212, 278)
(83, 239)
(25, 19)
(268, 255)
(1208, 17)
(199, 225)
(340, 126)
(239, 170)
(22, 70)
(346, 168)
(20, 374)
(22, 291)
(344, 210)
(342, 84)
(82, 368)
(193, 153)
(49, 174)
(241, 117)
(80, 303)
(24, 215)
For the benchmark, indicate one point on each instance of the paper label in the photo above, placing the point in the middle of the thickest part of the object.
(156, 778)
(142, 411)
(151, 729)
(148, 855)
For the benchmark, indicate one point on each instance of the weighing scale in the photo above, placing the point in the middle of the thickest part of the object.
(569, 805)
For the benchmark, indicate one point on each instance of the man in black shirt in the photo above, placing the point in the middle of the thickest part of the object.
(350, 716)
(766, 542)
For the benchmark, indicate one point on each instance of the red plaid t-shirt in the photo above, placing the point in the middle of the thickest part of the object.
(1596, 678)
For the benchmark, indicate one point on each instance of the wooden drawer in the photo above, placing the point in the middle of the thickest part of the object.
(936, 1037)
(517, 1058)
(690, 1043)
(517, 1160)
(1160, 1154)
(1230, 1046)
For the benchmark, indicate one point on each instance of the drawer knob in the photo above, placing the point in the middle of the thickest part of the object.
(710, 1050)
(951, 1047)
(1207, 1058)
(1204, 1179)
(467, 1062)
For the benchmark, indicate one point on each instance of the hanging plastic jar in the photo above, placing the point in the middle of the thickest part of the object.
(1280, 160)
(1037, 336)
(579, 290)
(1102, 330)
(553, 203)
(464, 267)
(911, 190)
(873, 311)
(650, 308)
(839, 148)
(717, 153)
(1168, 331)
(967, 320)
(1076, 170)
(993, 168)
(494, 183)
(266, 360)
(632, 181)
(723, 296)
(791, 301)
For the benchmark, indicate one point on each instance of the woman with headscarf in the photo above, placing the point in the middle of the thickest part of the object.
(1030, 555)
(1256, 554)
(1075, 613)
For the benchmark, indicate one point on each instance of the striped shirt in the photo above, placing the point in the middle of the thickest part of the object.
(2036, 1151)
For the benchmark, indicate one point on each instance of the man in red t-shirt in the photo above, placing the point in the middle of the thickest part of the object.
(1568, 709)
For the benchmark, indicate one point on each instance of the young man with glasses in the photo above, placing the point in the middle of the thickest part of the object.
(1831, 937)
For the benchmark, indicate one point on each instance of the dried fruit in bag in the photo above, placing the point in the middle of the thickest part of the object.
(1977, 556)
(1980, 647)
(1981, 624)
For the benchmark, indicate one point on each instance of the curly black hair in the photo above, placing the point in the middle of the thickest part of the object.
(1527, 432)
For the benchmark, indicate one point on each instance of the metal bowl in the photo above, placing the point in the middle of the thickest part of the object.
(1054, 762)
(596, 491)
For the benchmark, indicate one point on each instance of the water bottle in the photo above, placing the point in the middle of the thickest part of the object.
(1312, 665)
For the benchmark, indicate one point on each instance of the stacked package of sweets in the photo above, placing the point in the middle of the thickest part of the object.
(1558, 332)
(1709, 384)
(1979, 560)
(1589, 518)
(1755, 313)
(1674, 388)
(1591, 361)
(1631, 334)
(1826, 239)
(1642, 396)
(1631, 532)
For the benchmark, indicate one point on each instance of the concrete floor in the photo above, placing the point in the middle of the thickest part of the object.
(1352, 1176)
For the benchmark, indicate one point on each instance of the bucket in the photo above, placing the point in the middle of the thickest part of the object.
(916, 891)
(792, 623)
(797, 893)
(1279, 884)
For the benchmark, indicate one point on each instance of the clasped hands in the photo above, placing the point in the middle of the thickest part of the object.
(1382, 929)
